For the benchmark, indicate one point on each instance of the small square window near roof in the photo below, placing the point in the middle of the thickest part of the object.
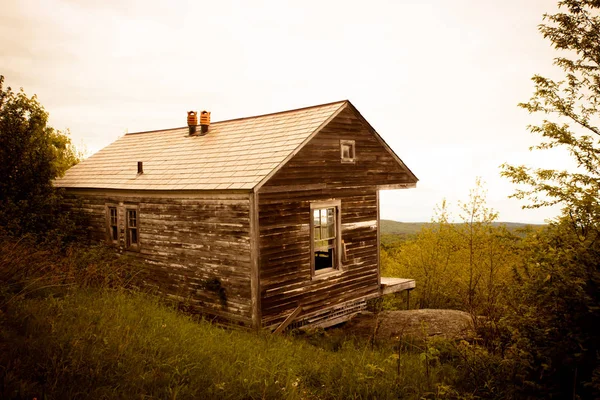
(347, 148)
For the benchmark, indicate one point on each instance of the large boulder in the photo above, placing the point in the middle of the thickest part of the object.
(449, 324)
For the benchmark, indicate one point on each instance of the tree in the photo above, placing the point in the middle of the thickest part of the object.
(32, 154)
(554, 323)
(428, 257)
(476, 231)
(574, 104)
(463, 265)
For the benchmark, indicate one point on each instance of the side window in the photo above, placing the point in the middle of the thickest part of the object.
(112, 224)
(325, 236)
(347, 151)
(132, 229)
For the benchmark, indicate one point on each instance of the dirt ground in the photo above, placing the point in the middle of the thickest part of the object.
(450, 324)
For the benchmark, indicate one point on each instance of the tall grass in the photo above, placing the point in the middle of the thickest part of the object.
(72, 327)
(28, 268)
(99, 343)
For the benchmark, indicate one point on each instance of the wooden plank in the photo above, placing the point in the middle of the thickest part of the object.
(398, 186)
(293, 188)
(395, 285)
(164, 194)
(378, 245)
(288, 320)
(254, 265)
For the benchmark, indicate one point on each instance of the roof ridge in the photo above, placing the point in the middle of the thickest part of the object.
(250, 117)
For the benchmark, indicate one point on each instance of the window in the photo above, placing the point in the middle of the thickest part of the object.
(347, 151)
(122, 226)
(325, 236)
(113, 225)
(132, 229)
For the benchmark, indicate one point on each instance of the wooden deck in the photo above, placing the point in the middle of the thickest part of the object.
(396, 285)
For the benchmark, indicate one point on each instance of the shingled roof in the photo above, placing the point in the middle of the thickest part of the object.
(235, 154)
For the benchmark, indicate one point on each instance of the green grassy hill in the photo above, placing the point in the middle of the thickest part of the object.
(390, 227)
(113, 344)
(394, 232)
(69, 329)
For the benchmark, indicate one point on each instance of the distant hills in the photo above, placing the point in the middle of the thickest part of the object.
(390, 227)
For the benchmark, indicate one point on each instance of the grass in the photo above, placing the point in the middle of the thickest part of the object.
(98, 343)
(75, 327)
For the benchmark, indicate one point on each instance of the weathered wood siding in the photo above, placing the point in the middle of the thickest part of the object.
(285, 271)
(318, 162)
(316, 173)
(187, 242)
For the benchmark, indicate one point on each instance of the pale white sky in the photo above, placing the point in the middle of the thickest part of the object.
(438, 79)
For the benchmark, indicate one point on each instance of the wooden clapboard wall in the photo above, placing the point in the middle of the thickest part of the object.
(187, 241)
(316, 173)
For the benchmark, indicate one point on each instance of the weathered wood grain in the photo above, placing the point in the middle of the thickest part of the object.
(314, 174)
(186, 242)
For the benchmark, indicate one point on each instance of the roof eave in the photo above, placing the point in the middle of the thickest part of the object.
(155, 191)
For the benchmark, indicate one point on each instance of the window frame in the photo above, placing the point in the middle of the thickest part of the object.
(129, 229)
(337, 267)
(352, 158)
(109, 225)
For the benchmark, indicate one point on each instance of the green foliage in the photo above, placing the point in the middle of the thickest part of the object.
(107, 344)
(573, 104)
(30, 269)
(72, 328)
(554, 318)
(32, 154)
(480, 372)
(462, 265)
(428, 260)
(554, 324)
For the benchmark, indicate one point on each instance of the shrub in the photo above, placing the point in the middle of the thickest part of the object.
(28, 268)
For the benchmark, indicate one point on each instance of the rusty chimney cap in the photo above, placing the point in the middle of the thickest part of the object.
(205, 118)
(204, 122)
(192, 120)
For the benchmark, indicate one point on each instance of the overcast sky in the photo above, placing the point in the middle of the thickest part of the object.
(438, 79)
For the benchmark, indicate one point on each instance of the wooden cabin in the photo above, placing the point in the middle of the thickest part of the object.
(252, 220)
